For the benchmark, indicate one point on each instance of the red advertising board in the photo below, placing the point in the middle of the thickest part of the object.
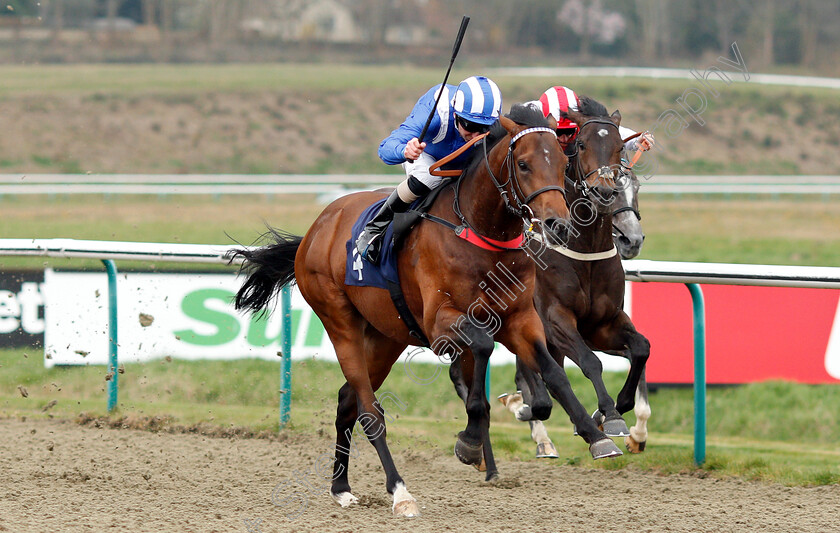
(752, 333)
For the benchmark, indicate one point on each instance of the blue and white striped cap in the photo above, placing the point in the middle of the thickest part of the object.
(478, 99)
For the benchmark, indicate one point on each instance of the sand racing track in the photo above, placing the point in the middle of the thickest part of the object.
(62, 476)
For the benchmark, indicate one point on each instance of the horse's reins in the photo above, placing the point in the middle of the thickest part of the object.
(628, 167)
(434, 168)
(636, 156)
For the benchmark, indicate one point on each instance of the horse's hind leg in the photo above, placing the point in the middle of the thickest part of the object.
(366, 358)
(532, 404)
(638, 433)
(345, 419)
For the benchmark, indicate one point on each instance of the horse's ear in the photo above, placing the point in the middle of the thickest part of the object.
(574, 116)
(552, 123)
(616, 117)
(508, 124)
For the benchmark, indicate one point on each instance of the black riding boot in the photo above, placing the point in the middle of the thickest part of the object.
(369, 243)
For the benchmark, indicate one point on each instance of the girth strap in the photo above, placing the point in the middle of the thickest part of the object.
(408, 319)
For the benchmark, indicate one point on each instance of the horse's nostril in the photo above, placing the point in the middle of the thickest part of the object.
(624, 240)
(556, 230)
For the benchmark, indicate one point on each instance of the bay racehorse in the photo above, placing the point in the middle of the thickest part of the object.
(515, 174)
(580, 293)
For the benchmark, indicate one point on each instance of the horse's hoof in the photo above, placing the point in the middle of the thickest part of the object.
(546, 450)
(604, 448)
(468, 454)
(616, 428)
(492, 477)
(481, 467)
(345, 499)
(404, 503)
(633, 446)
(407, 508)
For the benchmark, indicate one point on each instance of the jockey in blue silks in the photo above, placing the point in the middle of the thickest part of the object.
(463, 113)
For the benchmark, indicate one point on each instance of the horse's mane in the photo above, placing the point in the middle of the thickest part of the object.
(522, 114)
(591, 108)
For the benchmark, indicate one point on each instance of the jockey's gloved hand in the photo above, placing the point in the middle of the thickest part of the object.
(413, 149)
(644, 142)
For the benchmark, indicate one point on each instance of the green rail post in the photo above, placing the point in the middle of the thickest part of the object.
(699, 373)
(286, 364)
(111, 269)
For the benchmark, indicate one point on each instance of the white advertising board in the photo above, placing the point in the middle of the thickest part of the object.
(183, 315)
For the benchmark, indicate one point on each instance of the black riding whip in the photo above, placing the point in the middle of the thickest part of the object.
(463, 29)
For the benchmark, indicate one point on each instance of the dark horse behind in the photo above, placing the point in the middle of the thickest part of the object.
(516, 175)
(580, 292)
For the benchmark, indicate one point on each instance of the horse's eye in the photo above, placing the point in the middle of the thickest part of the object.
(581, 146)
(523, 165)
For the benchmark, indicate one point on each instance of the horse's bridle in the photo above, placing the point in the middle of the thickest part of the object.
(626, 207)
(604, 172)
(522, 209)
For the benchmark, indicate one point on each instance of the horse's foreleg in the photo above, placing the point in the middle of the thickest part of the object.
(621, 338)
(460, 373)
(567, 341)
(530, 346)
(469, 340)
(534, 405)
(534, 393)
(478, 410)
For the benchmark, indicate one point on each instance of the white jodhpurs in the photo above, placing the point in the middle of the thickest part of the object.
(420, 170)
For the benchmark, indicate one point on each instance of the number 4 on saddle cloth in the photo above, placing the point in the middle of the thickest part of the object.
(362, 273)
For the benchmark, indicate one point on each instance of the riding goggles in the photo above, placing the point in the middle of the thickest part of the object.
(472, 127)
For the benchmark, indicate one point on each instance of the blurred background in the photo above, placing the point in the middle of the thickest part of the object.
(161, 92)
(790, 35)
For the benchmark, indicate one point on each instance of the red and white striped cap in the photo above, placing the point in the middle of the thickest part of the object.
(557, 99)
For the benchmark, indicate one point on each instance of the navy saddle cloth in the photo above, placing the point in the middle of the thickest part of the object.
(360, 272)
(363, 274)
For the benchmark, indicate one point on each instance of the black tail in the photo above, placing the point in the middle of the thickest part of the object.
(268, 268)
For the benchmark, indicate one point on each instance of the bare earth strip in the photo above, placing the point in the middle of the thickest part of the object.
(59, 476)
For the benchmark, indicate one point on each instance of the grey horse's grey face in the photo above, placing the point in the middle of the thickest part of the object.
(627, 226)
